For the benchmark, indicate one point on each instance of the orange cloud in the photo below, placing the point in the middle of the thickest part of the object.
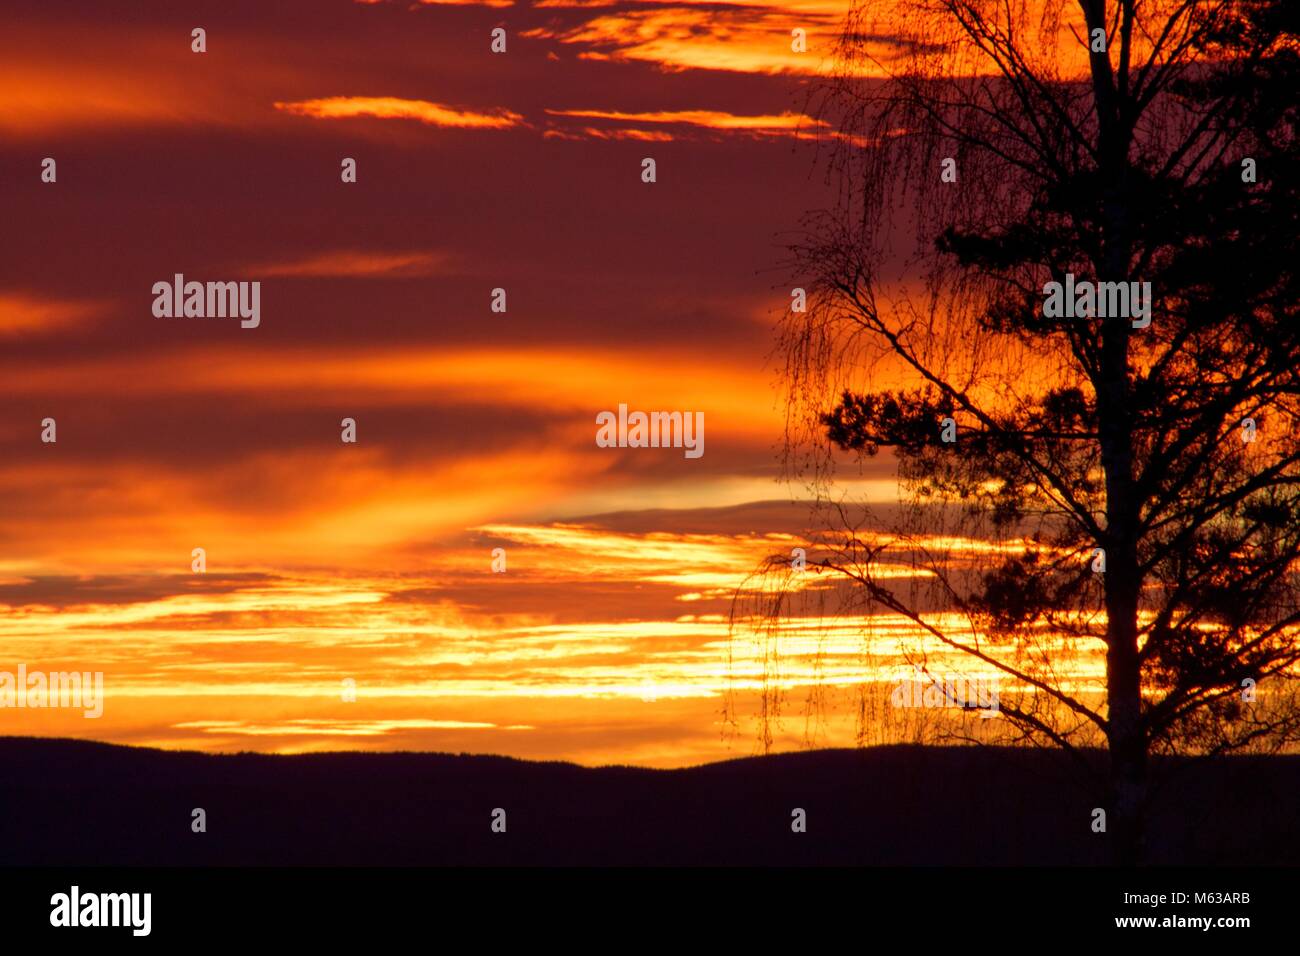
(22, 314)
(644, 135)
(358, 264)
(444, 646)
(733, 37)
(40, 97)
(55, 77)
(392, 107)
(335, 728)
(779, 124)
(447, 3)
(570, 378)
(755, 36)
(795, 9)
(295, 507)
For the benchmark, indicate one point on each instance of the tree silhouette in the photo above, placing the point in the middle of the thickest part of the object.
(1140, 480)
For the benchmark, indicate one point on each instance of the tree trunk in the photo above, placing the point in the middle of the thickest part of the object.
(1126, 735)
(1125, 732)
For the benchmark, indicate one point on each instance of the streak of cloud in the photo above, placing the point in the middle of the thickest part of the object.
(357, 264)
(393, 107)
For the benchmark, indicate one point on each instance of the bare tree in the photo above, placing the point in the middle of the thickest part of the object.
(1138, 472)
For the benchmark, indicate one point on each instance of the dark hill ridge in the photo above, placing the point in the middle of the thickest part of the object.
(71, 802)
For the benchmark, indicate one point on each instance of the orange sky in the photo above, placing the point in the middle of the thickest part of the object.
(606, 639)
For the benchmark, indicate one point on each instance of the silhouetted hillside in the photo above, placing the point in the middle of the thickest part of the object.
(73, 802)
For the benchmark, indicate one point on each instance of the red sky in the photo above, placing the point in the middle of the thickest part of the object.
(606, 639)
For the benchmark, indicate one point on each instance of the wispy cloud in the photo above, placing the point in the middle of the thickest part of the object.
(354, 263)
(392, 107)
(23, 314)
(336, 728)
(778, 124)
(590, 625)
(591, 132)
(444, 3)
(733, 37)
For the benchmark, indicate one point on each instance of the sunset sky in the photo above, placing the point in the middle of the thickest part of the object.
(606, 640)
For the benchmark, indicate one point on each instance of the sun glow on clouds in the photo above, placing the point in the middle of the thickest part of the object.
(568, 378)
(41, 96)
(781, 124)
(728, 37)
(584, 614)
(392, 107)
(710, 118)
(591, 132)
(263, 506)
(754, 36)
(371, 562)
(336, 728)
(22, 314)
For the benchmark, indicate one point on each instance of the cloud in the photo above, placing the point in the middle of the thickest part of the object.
(22, 314)
(732, 37)
(392, 107)
(62, 592)
(560, 378)
(41, 97)
(358, 264)
(779, 124)
(589, 621)
(445, 3)
(336, 728)
(591, 132)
